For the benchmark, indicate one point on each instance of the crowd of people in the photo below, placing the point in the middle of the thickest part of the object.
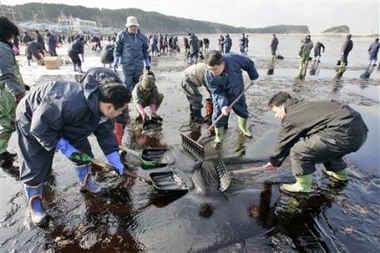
(61, 115)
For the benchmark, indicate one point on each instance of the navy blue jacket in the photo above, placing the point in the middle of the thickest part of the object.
(132, 49)
(226, 87)
(67, 110)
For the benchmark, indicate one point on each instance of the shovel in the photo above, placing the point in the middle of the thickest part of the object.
(151, 157)
(165, 181)
(248, 170)
(154, 158)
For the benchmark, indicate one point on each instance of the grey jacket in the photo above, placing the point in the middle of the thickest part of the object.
(329, 119)
(67, 110)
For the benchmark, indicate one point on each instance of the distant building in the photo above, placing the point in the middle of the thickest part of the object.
(79, 25)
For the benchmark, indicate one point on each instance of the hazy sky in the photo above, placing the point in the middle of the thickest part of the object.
(362, 17)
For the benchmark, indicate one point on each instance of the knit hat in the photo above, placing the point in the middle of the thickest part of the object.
(147, 81)
(131, 20)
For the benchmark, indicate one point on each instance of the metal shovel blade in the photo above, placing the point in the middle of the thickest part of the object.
(167, 181)
(154, 158)
(223, 174)
(193, 147)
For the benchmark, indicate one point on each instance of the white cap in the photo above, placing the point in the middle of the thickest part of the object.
(131, 20)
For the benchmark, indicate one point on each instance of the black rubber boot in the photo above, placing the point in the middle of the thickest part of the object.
(7, 157)
(197, 116)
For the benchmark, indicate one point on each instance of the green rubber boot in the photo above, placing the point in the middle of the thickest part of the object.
(340, 176)
(219, 131)
(243, 127)
(302, 185)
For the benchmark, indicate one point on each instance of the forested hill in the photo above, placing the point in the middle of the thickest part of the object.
(151, 22)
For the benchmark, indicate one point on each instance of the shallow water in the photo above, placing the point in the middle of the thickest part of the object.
(252, 215)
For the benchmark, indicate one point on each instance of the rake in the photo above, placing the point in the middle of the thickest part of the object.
(223, 175)
(197, 150)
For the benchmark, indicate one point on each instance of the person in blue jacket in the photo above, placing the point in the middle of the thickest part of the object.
(373, 51)
(227, 43)
(131, 50)
(76, 49)
(60, 116)
(52, 43)
(224, 79)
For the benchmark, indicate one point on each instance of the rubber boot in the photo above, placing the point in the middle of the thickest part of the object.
(85, 179)
(118, 129)
(302, 185)
(243, 127)
(36, 209)
(219, 131)
(340, 176)
(7, 157)
(197, 116)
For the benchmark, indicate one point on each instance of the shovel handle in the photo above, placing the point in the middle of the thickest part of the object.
(109, 167)
(242, 171)
(221, 115)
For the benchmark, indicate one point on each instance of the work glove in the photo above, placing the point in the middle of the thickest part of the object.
(147, 65)
(66, 148)
(270, 167)
(116, 62)
(77, 157)
(114, 159)
(226, 110)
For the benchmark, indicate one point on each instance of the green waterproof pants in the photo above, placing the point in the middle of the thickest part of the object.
(7, 117)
